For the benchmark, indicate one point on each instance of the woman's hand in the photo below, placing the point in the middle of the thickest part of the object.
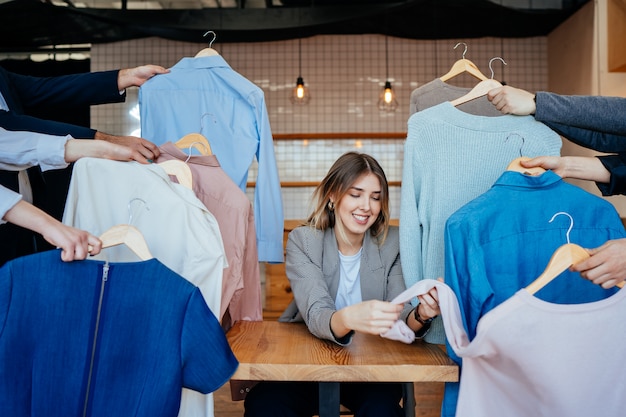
(373, 317)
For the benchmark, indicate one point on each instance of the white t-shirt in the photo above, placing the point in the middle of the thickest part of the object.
(535, 358)
(349, 291)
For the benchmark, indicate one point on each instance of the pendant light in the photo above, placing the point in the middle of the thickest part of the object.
(387, 98)
(300, 94)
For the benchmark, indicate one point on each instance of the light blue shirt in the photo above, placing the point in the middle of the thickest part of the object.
(503, 240)
(21, 150)
(205, 95)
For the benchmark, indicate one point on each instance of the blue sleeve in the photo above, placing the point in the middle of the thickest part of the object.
(616, 165)
(207, 360)
(592, 139)
(13, 121)
(410, 227)
(74, 90)
(268, 201)
(597, 113)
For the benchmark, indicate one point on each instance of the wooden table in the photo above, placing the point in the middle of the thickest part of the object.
(273, 351)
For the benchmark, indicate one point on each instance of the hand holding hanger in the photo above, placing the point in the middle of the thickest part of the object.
(516, 164)
(481, 89)
(564, 257)
(128, 235)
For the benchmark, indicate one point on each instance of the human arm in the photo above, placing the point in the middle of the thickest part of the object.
(75, 244)
(305, 271)
(21, 150)
(142, 147)
(135, 77)
(588, 121)
(580, 167)
(606, 265)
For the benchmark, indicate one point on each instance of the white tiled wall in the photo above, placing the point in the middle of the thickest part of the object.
(345, 75)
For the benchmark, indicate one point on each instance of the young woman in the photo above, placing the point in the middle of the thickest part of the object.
(344, 267)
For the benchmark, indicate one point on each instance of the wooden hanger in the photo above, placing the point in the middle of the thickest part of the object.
(180, 170)
(515, 165)
(562, 258)
(463, 65)
(208, 51)
(128, 235)
(481, 89)
(198, 141)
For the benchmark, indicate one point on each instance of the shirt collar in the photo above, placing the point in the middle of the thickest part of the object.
(212, 61)
(517, 179)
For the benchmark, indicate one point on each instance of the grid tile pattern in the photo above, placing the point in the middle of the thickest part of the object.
(345, 75)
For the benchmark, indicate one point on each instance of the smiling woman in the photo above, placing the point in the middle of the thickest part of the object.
(344, 267)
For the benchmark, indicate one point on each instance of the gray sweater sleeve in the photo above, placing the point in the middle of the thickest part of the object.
(595, 122)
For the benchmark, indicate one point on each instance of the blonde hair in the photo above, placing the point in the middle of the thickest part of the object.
(340, 177)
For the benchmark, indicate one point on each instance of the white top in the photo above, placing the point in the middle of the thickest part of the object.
(534, 358)
(178, 228)
(349, 290)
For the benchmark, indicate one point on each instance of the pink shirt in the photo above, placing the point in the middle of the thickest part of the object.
(241, 283)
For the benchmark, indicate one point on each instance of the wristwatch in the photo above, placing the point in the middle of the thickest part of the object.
(423, 322)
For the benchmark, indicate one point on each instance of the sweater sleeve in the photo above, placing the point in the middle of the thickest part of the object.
(616, 165)
(588, 121)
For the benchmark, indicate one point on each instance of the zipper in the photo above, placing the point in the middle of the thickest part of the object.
(105, 278)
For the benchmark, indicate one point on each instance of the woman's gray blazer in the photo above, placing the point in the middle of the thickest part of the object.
(312, 266)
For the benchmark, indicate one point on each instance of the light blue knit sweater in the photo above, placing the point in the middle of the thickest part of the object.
(450, 158)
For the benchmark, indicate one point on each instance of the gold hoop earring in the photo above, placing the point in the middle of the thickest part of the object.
(331, 206)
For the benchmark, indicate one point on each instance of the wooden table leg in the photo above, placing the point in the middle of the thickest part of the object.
(329, 399)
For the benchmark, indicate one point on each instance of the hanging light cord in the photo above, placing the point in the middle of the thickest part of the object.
(299, 57)
(386, 60)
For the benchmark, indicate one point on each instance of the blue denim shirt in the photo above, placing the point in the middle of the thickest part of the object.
(501, 241)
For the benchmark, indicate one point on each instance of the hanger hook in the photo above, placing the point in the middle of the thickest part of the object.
(520, 136)
(491, 60)
(202, 120)
(212, 40)
(130, 212)
(571, 224)
(191, 146)
(464, 51)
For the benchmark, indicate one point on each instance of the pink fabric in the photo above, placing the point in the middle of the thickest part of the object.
(401, 332)
(241, 283)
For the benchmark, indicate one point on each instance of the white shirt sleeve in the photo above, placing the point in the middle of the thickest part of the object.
(8, 199)
(21, 150)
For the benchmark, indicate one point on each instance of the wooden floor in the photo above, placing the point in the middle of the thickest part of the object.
(428, 397)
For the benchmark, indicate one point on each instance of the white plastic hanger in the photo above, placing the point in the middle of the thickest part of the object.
(564, 257)
(480, 89)
(463, 65)
(208, 51)
(128, 235)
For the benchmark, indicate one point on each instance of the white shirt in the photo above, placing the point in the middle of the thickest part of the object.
(21, 150)
(349, 290)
